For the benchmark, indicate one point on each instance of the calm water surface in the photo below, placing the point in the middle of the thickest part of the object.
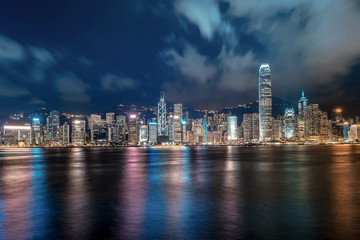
(288, 192)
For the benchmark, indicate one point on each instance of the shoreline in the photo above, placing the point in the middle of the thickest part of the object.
(181, 146)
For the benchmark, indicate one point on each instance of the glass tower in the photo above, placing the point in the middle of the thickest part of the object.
(303, 103)
(162, 125)
(232, 128)
(265, 103)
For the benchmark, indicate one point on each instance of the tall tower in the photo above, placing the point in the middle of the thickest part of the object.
(162, 125)
(232, 128)
(265, 103)
(177, 122)
(53, 125)
(303, 103)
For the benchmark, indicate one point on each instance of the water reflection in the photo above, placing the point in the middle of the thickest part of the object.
(132, 195)
(344, 200)
(291, 192)
(76, 211)
(15, 198)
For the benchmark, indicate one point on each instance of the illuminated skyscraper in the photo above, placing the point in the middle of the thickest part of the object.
(78, 134)
(37, 133)
(53, 125)
(290, 123)
(152, 132)
(94, 123)
(205, 129)
(303, 103)
(232, 128)
(251, 127)
(183, 131)
(132, 137)
(162, 125)
(110, 118)
(346, 131)
(177, 122)
(143, 134)
(65, 134)
(265, 103)
(121, 123)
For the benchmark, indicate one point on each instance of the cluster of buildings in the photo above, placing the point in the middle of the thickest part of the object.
(133, 125)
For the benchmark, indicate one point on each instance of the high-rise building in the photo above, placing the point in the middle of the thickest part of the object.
(162, 124)
(290, 123)
(53, 125)
(354, 133)
(132, 137)
(143, 134)
(232, 128)
(112, 133)
(65, 134)
(152, 132)
(250, 127)
(265, 103)
(303, 103)
(177, 122)
(95, 119)
(183, 131)
(337, 125)
(110, 118)
(121, 122)
(277, 128)
(346, 131)
(78, 132)
(37, 131)
(205, 129)
(316, 123)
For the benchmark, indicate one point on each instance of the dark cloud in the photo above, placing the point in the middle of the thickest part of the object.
(202, 52)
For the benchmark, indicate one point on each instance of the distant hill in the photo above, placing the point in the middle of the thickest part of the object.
(278, 108)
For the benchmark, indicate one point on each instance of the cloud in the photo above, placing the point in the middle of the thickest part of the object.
(203, 13)
(10, 89)
(43, 56)
(72, 88)
(10, 51)
(36, 101)
(191, 64)
(309, 42)
(113, 83)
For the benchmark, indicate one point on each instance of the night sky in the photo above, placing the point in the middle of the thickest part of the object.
(89, 56)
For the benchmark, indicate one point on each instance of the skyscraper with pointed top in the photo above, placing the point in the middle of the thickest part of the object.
(162, 124)
(303, 103)
(265, 104)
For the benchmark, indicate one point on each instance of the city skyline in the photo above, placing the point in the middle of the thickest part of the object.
(126, 51)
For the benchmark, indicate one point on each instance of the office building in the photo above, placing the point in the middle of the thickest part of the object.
(78, 132)
(232, 128)
(265, 104)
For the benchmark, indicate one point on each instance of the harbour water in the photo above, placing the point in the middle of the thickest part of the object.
(262, 192)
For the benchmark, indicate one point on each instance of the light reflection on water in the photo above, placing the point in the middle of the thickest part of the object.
(231, 192)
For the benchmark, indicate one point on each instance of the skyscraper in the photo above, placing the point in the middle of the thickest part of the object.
(78, 135)
(37, 133)
(95, 121)
(303, 103)
(177, 122)
(265, 103)
(110, 118)
(162, 125)
(132, 137)
(251, 127)
(65, 134)
(290, 123)
(232, 128)
(152, 132)
(53, 125)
